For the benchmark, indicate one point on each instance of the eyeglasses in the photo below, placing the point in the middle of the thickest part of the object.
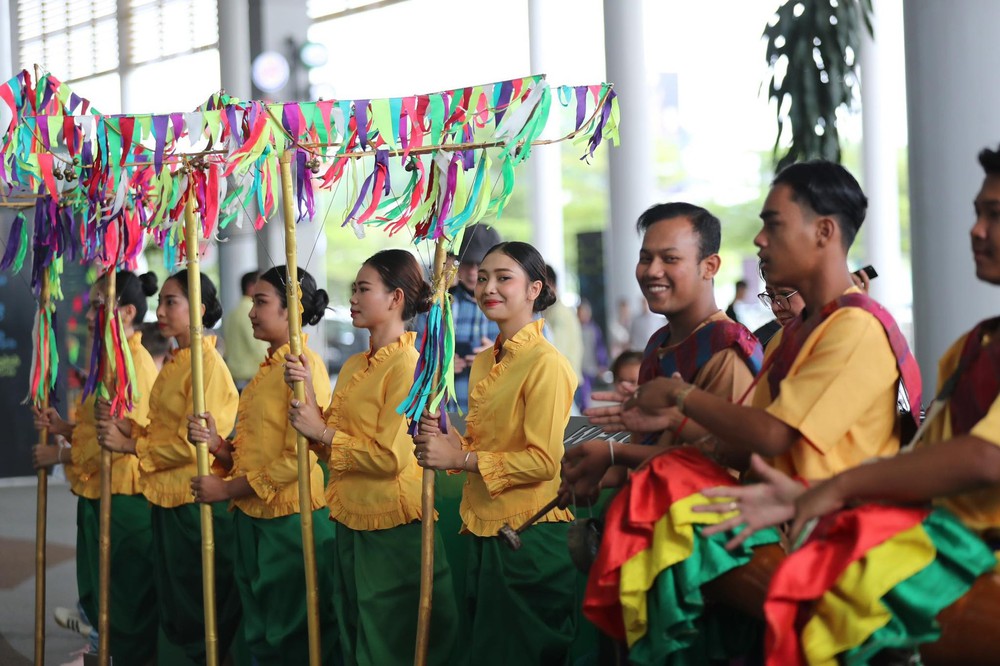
(779, 301)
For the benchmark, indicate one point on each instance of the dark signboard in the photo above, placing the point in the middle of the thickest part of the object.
(590, 272)
(17, 316)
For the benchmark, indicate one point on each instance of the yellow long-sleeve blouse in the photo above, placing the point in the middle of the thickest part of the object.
(374, 476)
(264, 449)
(166, 459)
(84, 474)
(518, 411)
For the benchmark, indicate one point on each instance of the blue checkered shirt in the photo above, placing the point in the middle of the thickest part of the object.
(471, 326)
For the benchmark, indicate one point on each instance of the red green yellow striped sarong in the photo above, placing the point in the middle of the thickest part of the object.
(870, 578)
(645, 586)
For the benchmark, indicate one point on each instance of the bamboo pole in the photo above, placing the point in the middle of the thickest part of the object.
(427, 502)
(41, 515)
(299, 393)
(104, 522)
(198, 404)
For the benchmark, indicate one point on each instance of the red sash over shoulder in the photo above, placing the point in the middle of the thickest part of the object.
(798, 331)
(693, 352)
(979, 378)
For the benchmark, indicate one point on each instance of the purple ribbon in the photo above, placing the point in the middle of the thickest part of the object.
(303, 186)
(47, 94)
(177, 120)
(598, 135)
(234, 127)
(13, 243)
(43, 130)
(160, 133)
(468, 156)
(581, 105)
(361, 120)
(449, 193)
(290, 116)
(86, 153)
(503, 98)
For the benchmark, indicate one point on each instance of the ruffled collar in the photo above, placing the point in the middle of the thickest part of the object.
(278, 357)
(135, 341)
(207, 344)
(405, 340)
(332, 413)
(527, 333)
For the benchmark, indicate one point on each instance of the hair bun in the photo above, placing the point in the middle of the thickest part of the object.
(149, 283)
(426, 297)
(546, 298)
(313, 311)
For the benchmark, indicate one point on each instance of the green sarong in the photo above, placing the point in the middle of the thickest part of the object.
(377, 594)
(177, 572)
(521, 603)
(270, 575)
(133, 613)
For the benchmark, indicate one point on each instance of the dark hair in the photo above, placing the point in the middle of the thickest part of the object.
(741, 284)
(550, 275)
(400, 270)
(132, 289)
(828, 189)
(153, 340)
(247, 280)
(627, 357)
(476, 240)
(528, 258)
(314, 300)
(990, 161)
(706, 225)
(209, 297)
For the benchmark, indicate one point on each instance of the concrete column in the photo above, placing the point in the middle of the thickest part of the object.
(8, 54)
(238, 249)
(951, 117)
(234, 47)
(274, 25)
(880, 112)
(631, 163)
(546, 193)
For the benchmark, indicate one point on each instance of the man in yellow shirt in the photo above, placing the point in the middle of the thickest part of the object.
(827, 399)
(957, 463)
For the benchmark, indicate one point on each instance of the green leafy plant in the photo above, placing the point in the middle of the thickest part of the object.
(812, 49)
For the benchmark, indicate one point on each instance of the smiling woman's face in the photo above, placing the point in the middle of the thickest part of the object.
(503, 290)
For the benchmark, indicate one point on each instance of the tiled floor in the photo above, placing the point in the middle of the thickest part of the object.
(17, 571)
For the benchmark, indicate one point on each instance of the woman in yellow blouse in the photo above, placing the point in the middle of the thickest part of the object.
(257, 471)
(520, 603)
(133, 619)
(374, 489)
(166, 465)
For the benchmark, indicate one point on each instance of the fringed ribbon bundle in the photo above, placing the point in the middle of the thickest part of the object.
(111, 359)
(45, 354)
(17, 246)
(434, 377)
